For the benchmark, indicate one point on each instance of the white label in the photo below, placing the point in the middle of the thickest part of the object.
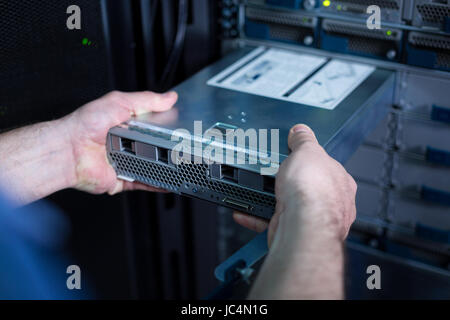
(282, 75)
(332, 84)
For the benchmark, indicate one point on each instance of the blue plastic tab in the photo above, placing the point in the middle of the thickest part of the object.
(421, 58)
(447, 25)
(251, 253)
(433, 234)
(438, 156)
(334, 43)
(435, 195)
(440, 114)
(291, 4)
(256, 30)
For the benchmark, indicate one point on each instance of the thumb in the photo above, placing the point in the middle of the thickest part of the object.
(146, 101)
(300, 134)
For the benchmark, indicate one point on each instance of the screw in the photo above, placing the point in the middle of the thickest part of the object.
(245, 273)
(308, 40)
(391, 54)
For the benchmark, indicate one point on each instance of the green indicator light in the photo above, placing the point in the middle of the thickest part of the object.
(339, 7)
(389, 33)
(86, 42)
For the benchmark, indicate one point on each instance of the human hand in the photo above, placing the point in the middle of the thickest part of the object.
(87, 129)
(313, 190)
(314, 211)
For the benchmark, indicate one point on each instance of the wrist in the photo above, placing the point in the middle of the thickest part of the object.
(36, 161)
(305, 261)
(312, 218)
(63, 129)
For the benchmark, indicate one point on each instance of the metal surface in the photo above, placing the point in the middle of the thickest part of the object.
(211, 105)
(339, 131)
(400, 278)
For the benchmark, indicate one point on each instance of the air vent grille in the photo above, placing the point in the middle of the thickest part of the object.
(433, 13)
(172, 178)
(374, 46)
(284, 18)
(360, 30)
(443, 60)
(288, 33)
(429, 41)
(385, 4)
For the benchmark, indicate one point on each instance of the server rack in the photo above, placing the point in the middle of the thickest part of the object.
(165, 246)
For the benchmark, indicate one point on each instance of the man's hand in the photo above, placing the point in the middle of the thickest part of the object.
(88, 127)
(312, 181)
(315, 209)
(40, 159)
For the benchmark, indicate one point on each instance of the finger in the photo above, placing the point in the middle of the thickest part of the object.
(249, 222)
(299, 134)
(122, 185)
(145, 101)
(131, 186)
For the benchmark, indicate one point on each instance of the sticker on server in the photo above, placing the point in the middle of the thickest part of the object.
(290, 76)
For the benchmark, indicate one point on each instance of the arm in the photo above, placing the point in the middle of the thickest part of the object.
(36, 161)
(40, 159)
(315, 208)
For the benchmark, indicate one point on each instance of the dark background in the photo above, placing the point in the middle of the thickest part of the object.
(135, 245)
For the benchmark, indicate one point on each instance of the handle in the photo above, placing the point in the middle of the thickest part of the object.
(248, 255)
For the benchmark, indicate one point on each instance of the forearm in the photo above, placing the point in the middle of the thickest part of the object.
(36, 161)
(304, 262)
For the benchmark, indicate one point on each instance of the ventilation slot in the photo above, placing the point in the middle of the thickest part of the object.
(433, 13)
(362, 4)
(127, 145)
(429, 41)
(163, 155)
(360, 31)
(281, 18)
(229, 173)
(269, 184)
(172, 178)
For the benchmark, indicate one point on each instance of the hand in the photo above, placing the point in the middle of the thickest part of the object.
(314, 211)
(87, 130)
(313, 187)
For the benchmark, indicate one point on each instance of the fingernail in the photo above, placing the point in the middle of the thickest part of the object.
(301, 128)
(168, 94)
